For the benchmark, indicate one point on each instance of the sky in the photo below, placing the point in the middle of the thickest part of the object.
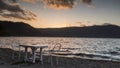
(61, 13)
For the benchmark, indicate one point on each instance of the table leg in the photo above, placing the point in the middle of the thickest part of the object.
(34, 55)
(19, 53)
(25, 58)
(41, 56)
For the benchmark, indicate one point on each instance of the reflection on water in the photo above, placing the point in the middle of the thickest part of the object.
(93, 48)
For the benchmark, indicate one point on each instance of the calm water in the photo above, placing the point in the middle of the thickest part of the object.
(89, 48)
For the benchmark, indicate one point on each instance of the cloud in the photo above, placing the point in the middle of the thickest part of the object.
(64, 4)
(55, 4)
(89, 2)
(18, 15)
(13, 1)
(31, 1)
(13, 10)
(61, 4)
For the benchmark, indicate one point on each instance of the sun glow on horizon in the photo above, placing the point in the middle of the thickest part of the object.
(56, 24)
(62, 13)
(48, 25)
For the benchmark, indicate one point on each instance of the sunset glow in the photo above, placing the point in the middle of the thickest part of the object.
(44, 14)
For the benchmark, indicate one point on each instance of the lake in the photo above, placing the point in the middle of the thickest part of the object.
(87, 48)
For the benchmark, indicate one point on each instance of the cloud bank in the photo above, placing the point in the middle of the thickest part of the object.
(89, 2)
(11, 9)
(61, 4)
(64, 4)
(31, 1)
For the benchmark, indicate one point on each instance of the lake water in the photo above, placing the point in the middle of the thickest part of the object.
(88, 48)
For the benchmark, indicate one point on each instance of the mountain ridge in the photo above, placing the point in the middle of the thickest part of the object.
(8, 28)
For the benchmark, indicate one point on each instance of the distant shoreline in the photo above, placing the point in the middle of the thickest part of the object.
(21, 29)
(65, 37)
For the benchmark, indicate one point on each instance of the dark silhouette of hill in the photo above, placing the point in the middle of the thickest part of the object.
(22, 29)
(8, 28)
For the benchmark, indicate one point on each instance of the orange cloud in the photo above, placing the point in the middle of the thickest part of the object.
(31, 1)
(14, 10)
(60, 4)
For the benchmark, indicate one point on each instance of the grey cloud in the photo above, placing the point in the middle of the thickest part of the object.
(17, 15)
(14, 10)
(13, 1)
(61, 4)
(89, 2)
(53, 2)
(31, 1)
(13, 16)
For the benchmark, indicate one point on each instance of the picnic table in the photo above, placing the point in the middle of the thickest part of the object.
(34, 49)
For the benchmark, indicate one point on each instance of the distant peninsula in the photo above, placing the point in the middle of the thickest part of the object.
(20, 29)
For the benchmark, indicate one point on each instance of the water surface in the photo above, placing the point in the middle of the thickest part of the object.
(88, 48)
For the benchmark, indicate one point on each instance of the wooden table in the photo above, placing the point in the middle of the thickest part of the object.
(33, 48)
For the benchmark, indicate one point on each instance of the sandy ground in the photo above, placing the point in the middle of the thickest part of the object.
(64, 62)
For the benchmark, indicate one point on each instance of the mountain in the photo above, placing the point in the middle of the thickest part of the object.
(21, 29)
(8, 28)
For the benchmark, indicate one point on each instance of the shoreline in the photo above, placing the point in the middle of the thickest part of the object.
(64, 62)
